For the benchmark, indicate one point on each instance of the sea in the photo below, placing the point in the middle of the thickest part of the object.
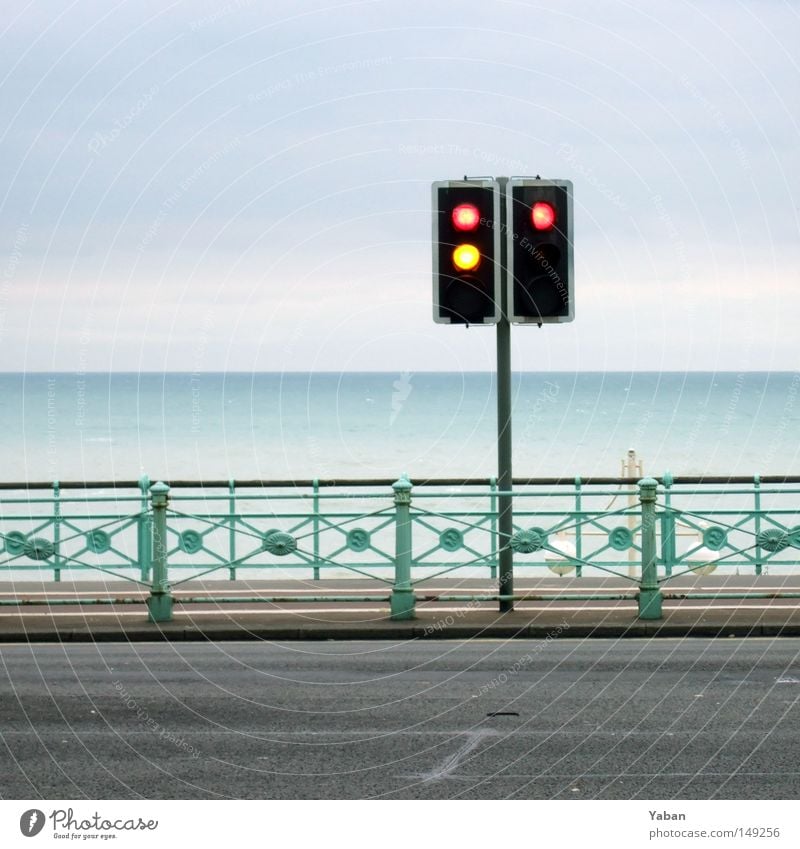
(356, 425)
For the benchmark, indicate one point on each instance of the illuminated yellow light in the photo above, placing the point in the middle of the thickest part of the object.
(466, 257)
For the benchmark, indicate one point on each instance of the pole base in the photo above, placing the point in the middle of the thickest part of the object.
(403, 603)
(159, 607)
(650, 604)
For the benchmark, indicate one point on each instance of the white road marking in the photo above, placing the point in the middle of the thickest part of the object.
(448, 768)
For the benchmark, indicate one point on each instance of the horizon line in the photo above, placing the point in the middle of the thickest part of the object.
(76, 373)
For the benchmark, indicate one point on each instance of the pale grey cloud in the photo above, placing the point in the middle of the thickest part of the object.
(273, 163)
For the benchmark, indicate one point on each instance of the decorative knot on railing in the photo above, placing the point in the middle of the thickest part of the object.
(774, 539)
(39, 548)
(279, 543)
(528, 541)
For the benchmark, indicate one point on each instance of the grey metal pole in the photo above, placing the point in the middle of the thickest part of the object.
(505, 524)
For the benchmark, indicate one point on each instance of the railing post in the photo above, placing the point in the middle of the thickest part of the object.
(160, 602)
(315, 527)
(631, 469)
(757, 518)
(649, 591)
(493, 524)
(668, 527)
(56, 531)
(144, 533)
(231, 528)
(578, 526)
(402, 602)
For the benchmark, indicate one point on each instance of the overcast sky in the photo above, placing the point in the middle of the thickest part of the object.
(211, 186)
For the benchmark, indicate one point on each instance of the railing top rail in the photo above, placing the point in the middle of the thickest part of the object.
(387, 482)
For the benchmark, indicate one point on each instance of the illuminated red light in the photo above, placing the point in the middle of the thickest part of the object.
(466, 216)
(543, 216)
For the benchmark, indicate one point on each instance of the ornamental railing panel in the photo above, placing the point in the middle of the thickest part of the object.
(399, 534)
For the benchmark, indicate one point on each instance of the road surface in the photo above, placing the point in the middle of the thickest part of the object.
(483, 719)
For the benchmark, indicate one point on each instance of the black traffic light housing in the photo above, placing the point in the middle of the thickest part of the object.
(540, 263)
(466, 252)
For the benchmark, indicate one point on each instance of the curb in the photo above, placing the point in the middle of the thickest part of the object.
(402, 632)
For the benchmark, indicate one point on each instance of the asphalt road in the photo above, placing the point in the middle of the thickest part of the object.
(606, 719)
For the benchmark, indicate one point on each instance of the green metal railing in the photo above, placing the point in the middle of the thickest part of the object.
(401, 535)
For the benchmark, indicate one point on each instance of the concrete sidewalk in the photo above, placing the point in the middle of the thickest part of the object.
(350, 625)
(439, 615)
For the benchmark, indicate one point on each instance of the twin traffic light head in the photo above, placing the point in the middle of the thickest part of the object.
(466, 252)
(488, 234)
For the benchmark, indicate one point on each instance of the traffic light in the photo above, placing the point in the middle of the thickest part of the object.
(466, 252)
(540, 266)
